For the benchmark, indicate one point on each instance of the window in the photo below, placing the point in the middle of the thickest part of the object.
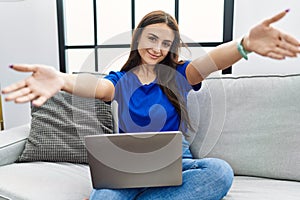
(95, 35)
(201, 21)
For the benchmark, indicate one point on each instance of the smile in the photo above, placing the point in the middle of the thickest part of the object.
(153, 56)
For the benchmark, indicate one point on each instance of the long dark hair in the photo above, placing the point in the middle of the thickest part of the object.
(167, 70)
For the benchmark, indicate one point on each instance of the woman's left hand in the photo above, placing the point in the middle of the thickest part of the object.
(267, 41)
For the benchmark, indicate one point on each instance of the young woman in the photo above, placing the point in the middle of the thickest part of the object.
(151, 90)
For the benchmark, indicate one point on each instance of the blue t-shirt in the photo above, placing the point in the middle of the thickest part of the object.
(144, 107)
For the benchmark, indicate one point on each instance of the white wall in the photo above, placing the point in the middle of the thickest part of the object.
(28, 35)
(250, 12)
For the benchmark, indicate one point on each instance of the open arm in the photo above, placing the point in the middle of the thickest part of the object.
(262, 39)
(45, 82)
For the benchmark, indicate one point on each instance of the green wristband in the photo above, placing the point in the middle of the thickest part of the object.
(241, 50)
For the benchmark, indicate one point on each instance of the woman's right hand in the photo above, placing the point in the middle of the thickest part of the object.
(43, 83)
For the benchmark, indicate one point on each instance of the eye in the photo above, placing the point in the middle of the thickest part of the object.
(166, 44)
(152, 39)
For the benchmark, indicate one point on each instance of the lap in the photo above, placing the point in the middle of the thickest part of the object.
(209, 178)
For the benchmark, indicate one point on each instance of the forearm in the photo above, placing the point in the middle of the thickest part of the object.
(88, 85)
(219, 58)
(83, 85)
(225, 55)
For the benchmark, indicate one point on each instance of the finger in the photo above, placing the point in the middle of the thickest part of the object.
(284, 52)
(275, 18)
(276, 56)
(14, 87)
(26, 98)
(17, 94)
(39, 101)
(290, 39)
(24, 67)
(293, 50)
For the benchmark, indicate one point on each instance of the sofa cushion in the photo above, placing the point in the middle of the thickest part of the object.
(252, 122)
(250, 188)
(59, 126)
(45, 180)
(12, 142)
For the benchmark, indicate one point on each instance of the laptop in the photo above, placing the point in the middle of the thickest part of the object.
(131, 160)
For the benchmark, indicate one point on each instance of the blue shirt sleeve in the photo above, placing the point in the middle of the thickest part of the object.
(114, 77)
(182, 70)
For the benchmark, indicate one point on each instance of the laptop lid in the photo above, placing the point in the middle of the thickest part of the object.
(129, 160)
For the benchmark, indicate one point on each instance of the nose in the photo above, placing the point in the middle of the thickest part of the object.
(157, 47)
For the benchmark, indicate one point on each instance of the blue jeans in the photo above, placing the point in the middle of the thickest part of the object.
(208, 178)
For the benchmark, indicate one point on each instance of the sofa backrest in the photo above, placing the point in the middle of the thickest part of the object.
(252, 122)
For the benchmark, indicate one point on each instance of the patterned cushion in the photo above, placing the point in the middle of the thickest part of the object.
(59, 126)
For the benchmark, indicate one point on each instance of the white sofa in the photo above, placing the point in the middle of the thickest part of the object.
(252, 122)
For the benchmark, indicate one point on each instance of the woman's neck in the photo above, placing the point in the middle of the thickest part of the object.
(145, 73)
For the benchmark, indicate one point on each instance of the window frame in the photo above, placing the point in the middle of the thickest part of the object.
(227, 32)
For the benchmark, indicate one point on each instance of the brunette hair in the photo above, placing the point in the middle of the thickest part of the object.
(166, 69)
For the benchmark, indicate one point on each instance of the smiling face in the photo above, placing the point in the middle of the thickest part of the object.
(154, 43)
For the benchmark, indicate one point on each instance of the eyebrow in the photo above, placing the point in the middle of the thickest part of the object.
(153, 35)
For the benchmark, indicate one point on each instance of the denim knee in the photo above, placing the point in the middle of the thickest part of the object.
(223, 173)
(207, 178)
(114, 194)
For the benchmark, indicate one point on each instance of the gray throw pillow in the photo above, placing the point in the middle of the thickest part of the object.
(59, 126)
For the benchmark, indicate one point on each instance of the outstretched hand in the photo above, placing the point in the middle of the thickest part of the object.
(40, 86)
(267, 41)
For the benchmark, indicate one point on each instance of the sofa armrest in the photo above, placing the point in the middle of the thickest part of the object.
(12, 142)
